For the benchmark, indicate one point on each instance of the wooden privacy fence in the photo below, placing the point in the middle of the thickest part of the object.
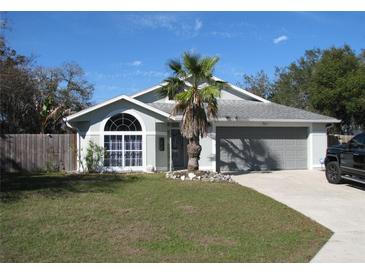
(38, 152)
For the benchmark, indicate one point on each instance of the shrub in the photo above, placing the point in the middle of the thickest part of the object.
(94, 157)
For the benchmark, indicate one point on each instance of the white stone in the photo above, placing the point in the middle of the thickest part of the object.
(182, 178)
(191, 175)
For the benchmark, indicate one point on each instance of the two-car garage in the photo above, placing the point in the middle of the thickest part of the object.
(261, 148)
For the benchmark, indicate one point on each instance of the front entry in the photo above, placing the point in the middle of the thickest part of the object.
(178, 150)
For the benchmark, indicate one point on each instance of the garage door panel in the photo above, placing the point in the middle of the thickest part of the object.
(251, 148)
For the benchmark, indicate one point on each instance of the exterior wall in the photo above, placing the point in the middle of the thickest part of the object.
(151, 97)
(91, 128)
(207, 156)
(162, 157)
(96, 119)
(150, 151)
(230, 94)
(83, 142)
(317, 141)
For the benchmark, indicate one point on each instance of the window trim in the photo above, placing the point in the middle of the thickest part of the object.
(123, 150)
(137, 115)
(124, 117)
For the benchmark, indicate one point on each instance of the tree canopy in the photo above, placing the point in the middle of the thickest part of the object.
(34, 99)
(337, 87)
(329, 82)
(259, 84)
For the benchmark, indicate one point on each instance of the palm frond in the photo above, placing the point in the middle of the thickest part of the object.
(210, 92)
(209, 96)
(207, 65)
(174, 86)
(212, 109)
(176, 66)
(217, 83)
(192, 64)
(179, 108)
(185, 96)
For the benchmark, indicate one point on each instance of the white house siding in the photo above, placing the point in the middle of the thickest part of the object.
(230, 94)
(162, 156)
(151, 97)
(91, 127)
(150, 151)
(83, 143)
(318, 144)
(207, 156)
(98, 117)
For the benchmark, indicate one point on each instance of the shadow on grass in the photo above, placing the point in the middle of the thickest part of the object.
(16, 186)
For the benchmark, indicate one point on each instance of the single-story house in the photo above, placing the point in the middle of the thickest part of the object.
(138, 133)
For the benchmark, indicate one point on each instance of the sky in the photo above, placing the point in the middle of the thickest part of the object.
(126, 52)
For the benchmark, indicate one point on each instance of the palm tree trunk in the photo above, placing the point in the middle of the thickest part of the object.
(193, 149)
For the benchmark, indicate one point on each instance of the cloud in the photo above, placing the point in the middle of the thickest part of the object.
(126, 74)
(136, 63)
(222, 34)
(280, 39)
(198, 24)
(154, 21)
(179, 25)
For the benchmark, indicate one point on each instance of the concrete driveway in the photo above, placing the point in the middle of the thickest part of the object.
(341, 208)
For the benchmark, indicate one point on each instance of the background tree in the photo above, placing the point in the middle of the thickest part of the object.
(338, 87)
(35, 99)
(293, 82)
(18, 89)
(196, 103)
(61, 91)
(329, 82)
(258, 84)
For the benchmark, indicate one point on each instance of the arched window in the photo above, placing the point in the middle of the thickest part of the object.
(123, 147)
(123, 122)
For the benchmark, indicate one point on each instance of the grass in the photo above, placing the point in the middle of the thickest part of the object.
(146, 218)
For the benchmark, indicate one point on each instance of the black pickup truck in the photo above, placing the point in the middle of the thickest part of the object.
(346, 161)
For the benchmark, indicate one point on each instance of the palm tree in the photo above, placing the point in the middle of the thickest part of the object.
(195, 91)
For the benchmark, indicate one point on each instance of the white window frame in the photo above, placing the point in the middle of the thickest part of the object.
(123, 150)
(142, 133)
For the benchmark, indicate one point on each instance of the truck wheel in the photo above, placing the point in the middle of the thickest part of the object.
(333, 173)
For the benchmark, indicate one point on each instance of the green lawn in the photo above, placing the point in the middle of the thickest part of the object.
(146, 218)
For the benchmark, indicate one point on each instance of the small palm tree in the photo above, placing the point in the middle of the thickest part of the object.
(195, 91)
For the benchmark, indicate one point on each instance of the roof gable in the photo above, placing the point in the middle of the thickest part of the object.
(233, 92)
(113, 100)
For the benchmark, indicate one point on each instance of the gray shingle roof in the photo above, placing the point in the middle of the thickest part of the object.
(244, 110)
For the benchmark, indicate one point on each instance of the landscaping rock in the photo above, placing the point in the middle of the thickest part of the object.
(199, 175)
(191, 175)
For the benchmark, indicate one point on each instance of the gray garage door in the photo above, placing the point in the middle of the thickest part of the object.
(254, 148)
